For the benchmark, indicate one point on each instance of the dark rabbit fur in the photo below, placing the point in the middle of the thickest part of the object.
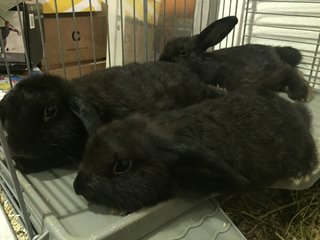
(47, 118)
(245, 140)
(259, 65)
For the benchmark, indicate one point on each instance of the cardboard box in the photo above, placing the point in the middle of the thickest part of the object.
(74, 40)
(73, 71)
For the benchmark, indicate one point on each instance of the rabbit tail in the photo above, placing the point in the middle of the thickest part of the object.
(290, 55)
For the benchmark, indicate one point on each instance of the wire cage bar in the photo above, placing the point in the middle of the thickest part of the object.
(292, 23)
(109, 33)
(177, 23)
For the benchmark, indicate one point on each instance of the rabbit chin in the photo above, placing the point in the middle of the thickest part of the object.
(124, 199)
(28, 163)
(121, 203)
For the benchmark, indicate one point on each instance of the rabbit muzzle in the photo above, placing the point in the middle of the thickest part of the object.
(80, 183)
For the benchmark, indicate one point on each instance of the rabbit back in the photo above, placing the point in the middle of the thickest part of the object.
(143, 87)
(262, 135)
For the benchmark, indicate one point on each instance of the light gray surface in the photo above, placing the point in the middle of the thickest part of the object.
(204, 221)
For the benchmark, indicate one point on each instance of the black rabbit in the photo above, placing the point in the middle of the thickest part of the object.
(47, 118)
(259, 65)
(245, 140)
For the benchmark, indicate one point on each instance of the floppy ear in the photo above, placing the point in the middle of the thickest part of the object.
(3, 109)
(206, 162)
(215, 32)
(86, 113)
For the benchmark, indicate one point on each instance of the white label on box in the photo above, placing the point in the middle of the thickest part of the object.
(31, 21)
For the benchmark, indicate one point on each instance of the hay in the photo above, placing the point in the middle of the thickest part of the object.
(14, 219)
(276, 214)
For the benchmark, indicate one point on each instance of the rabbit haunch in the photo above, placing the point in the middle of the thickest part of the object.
(245, 140)
(249, 65)
(47, 118)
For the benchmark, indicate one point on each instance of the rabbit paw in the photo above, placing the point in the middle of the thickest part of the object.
(301, 180)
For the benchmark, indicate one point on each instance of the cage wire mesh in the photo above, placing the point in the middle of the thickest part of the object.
(76, 39)
(136, 31)
(293, 23)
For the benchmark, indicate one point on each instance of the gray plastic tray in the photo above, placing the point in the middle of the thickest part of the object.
(58, 213)
(204, 221)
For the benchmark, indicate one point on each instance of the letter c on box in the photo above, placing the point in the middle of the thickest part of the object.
(76, 36)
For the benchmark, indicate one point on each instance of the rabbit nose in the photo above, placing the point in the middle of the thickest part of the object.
(79, 183)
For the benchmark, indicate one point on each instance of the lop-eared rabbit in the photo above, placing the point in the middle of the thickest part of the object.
(245, 140)
(48, 118)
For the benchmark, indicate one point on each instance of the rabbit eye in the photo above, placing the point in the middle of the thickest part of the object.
(183, 53)
(50, 112)
(121, 166)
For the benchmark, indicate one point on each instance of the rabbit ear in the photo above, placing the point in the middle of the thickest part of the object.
(203, 160)
(86, 113)
(215, 32)
(3, 109)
